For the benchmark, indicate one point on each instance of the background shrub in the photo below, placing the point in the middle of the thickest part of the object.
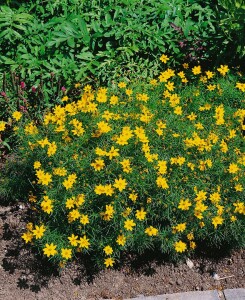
(102, 39)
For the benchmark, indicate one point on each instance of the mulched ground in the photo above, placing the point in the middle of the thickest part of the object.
(24, 275)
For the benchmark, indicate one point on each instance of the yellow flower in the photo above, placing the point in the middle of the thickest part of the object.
(126, 166)
(181, 74)
(43, 178)
(218, 220)
(233, 168)
(164, 58)
(159, 131)
(215, 197)
(192, 245)
(109, 262)
(27, 237)
(113, 153)
(190, 236)
(153, 82)
(73, 239)
(32, 198)
(162, 182)
(170, 86)
(108, 190)
(151, 231)
(84, 242)
(64, 99)
(209, 74)
(240, 86)
(47, 205)
(50, 250)
(31, 129)
(103, 127)
(196, 70)
(180, 227)
(66, 253)
(87, 88)
(98, 164)
(108, 250)
(142, 97)
(84, 219)
(2, 125)
(238, 187)
(73, 215)
(201, 224)
(180, 246)
(121, 85)
(68, 183)
(219, 115)
(59, 171)
(121, 240)
(120, 184)
(199, 126)
(178, 110)
(240, 207)
(38, 232)
(126, 212)
(70, 203)
(37, 165)
(52, 148)
(184, 204)
(201, 196)
(129, 92)
(80, 199)
(223, 69)
(113, 100)
(129, 224)
(77, 85)
(99, 189)
(43, 142)
(192, 116)
(109, 212)
(140, 214)
(211, 87)
(17, 115)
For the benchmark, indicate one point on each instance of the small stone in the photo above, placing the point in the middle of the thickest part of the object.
(216, 276)
(189, 263)
(179, 282)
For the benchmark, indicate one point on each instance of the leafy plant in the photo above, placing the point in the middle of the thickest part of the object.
(96, 40)
(232, 25)
(138, 165)
(13, 24)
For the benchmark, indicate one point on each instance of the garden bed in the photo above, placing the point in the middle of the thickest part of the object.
(24, 276)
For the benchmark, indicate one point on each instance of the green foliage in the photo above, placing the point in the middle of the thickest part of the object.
(14, 181)
(137, 166)
(231, 16)
(12, 24)
(101, 39)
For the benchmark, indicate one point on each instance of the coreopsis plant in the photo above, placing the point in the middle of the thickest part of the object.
(159, 163)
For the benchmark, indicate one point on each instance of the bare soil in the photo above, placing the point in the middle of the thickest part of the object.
(25, 275)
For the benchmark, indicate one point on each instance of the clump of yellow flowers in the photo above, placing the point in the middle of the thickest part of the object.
(138, 164)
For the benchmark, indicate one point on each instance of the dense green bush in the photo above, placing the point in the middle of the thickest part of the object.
(102, 39)
(231, 31)
(136, 166)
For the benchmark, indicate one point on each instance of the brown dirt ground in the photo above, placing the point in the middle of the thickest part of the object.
(24, 275)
